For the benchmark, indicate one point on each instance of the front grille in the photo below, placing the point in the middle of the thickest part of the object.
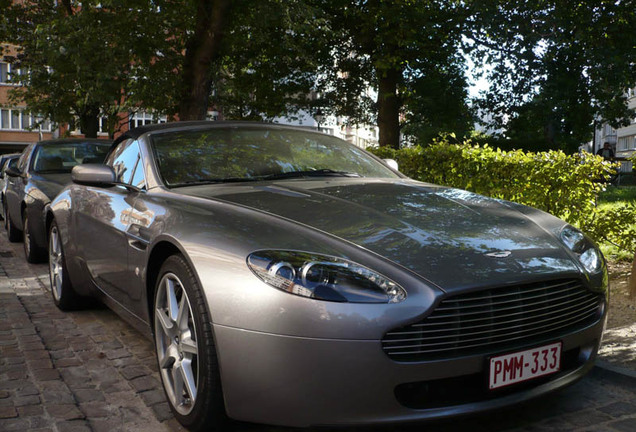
(499, 318)
(473, 388)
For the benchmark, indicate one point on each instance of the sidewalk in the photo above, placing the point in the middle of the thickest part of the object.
(90, 371)
(70, 372)
(618, 352)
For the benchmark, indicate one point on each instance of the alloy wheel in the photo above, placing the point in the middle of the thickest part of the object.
(176, 342)
(55, 263)
(27, 237)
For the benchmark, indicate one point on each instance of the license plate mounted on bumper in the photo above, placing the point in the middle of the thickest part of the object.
(524, 365)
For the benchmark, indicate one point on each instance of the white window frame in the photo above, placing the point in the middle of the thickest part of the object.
(142, 118)
(626, 143)
(102, 124)
(10, 71)
(24, 121)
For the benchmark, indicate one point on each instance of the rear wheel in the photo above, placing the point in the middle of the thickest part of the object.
(32, 251)
(64, 296)
(185, 347)
(13, 233)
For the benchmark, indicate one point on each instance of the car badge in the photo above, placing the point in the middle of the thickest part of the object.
(500, 254)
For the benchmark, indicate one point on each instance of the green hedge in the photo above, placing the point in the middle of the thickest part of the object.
(566, 186)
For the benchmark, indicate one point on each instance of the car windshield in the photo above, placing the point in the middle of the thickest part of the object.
(250, 154)
(62, 157)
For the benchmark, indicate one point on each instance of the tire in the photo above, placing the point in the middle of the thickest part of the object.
(64, 296)
(32, 252)
(13, 233)
(186, 353)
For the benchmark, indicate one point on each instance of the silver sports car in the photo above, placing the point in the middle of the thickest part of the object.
(288, 277)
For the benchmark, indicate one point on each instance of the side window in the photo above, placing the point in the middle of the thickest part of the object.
(138, 175)
(124, 161)
(24, 158)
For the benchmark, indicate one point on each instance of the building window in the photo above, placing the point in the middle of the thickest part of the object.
(626, 143)
(4, 119)
(6, 70)
(4, 73)
(142, 118)
(608, 130)
(15, 119)
(103, 125)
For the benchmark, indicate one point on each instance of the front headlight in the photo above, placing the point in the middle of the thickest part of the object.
(589, 256)
(323, 277)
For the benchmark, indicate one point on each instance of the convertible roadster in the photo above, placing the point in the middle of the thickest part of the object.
(288, 277)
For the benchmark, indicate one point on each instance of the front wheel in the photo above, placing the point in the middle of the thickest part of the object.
(64, 296)
(13, 233)
(32, 251)
(185, 347)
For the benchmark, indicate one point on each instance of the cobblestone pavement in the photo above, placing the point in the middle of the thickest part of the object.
(90, 371)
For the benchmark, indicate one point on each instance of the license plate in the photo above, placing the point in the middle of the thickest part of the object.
(524, 365)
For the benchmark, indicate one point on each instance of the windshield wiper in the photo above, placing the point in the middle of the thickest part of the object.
(215, 180)
(325, 172)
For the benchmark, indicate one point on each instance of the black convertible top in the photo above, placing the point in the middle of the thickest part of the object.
(138, 131)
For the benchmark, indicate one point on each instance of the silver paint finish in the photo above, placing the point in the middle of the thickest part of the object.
(93, 174)
(303, 382)
(297, 361)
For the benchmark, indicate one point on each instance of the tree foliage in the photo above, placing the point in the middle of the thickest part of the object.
(408, 53)
(77, 63)
(567, 186)
(269, 64)
(558, 66)
(554, 66)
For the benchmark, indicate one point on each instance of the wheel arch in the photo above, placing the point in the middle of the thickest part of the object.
(48, 220)
(158, 255)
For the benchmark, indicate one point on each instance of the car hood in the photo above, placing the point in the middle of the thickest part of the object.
(452, 238)
(48, 184)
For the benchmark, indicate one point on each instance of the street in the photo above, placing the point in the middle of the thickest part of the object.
(90, 371)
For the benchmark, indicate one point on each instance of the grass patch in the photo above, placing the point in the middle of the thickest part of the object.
(617, 194)
(610, 200)
(614, 254)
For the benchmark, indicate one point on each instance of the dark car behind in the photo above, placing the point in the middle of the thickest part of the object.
(43, 169)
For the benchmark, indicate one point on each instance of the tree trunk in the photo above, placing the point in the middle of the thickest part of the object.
(201, 50)
(632, 279)
(389, 108)
(89, 122)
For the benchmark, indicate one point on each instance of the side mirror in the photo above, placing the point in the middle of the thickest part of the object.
(392, 163)
(13, 172)
(93, 175)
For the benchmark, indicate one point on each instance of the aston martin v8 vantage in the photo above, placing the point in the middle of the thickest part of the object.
(288, 277)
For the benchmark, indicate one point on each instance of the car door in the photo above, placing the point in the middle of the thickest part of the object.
(102, 216)
(15, 187)
(11, 163)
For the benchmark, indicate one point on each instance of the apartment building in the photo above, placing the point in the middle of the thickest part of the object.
(360, 135)
(17, 127)
(622, 140)
(626, 136)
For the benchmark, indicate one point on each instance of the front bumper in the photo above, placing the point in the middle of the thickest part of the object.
(295, 381)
